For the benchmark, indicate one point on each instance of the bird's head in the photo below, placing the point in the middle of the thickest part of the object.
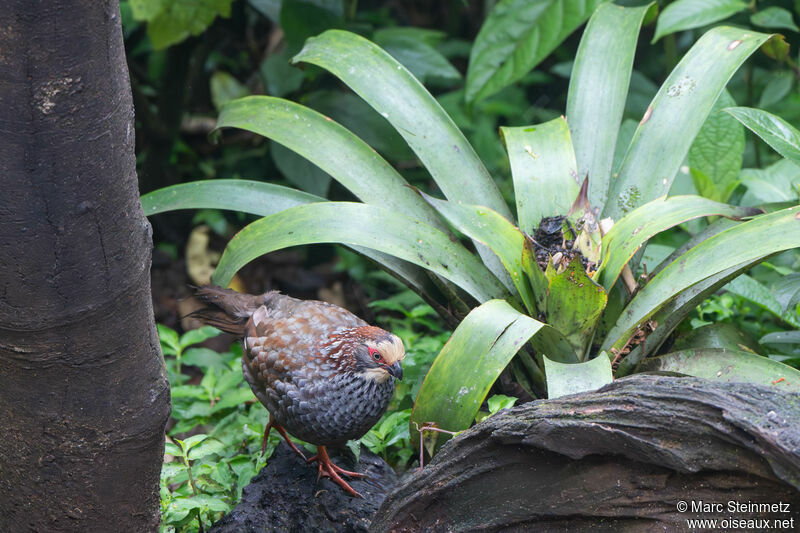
(378, 354)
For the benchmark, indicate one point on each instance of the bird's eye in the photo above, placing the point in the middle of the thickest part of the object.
(374, 353)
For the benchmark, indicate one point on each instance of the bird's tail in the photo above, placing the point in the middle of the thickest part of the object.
(227, 309)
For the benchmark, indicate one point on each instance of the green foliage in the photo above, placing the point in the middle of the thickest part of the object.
(687, 14)
(516, 36)
(213, 446)
(557, 288)
(171, 21)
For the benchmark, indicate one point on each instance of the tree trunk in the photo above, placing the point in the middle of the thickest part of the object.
(83, 393)
(628, 457)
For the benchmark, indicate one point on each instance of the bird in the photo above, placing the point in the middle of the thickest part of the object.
(324, 374)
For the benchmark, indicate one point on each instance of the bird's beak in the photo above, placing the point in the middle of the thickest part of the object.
(396, 370)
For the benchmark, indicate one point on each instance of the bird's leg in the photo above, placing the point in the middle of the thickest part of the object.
(272, 424)
(328, 469)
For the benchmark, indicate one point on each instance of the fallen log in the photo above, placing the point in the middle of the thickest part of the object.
(645, 453)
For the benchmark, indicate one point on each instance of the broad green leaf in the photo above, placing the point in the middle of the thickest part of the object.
(717, 152)
(729, 366)
(498, 402)
(774, 18)
(279, 76)
(687, 14)
(464, 371)
(755, 292)
(299, 171)
(787, 291)
(776, 48)
(204, 358)
(675, 116)
(718, 335)
(778, 182)
(331, 147)
(200, 501)
(178, 19)
(423, 60)
(191, 442)
(516, 36)
(369, 226)
(264, 199)
(233, 398)
(173, 450)
(401, 99)
(224, 88)
(634, 229)
(391, 89)
(774, 131)
(169, 338)
(601, 73)
(574, 305)
(564, 379)
(498, 234)
(778, 86)
(745, 242)
(198, 335)
(781, 337)
(546, 180)
(207, 447)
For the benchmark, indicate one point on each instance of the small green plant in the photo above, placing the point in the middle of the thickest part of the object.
(214, 446)
(556, 293)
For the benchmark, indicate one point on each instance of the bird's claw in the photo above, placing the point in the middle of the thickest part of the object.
(328, 469)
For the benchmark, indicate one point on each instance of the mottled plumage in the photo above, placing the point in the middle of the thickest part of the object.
(324, 374)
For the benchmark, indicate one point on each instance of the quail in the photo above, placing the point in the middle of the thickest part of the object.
(324, 375)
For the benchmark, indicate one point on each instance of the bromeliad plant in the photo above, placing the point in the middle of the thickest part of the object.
(556, 294)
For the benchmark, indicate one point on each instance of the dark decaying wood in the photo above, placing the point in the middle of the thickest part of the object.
(286, 496)
(619, 459)
(83, 393)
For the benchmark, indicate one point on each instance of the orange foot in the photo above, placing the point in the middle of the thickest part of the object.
(328, 469)
(272, 424)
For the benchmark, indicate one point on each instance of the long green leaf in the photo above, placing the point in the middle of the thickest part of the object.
(464, 371)
(247, 196)
(565, 379)
(265, 199)
(601, 73)
(676, 114)
(364, 225)
(753, 291)
(687, 14)
(401, 99)
(331, 147)
(729, 366)
(775, 131)
(634, 229)
(673, 312)
(391, 89)
(516, 36)
(745, 242)
(496, 232)
(546, 180)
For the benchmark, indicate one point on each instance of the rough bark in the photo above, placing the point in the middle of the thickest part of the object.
(286, 496)
(619, 459)
(83, 393)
